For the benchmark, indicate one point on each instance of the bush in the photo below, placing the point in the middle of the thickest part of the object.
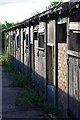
(7, 62)
(19, 80)
(30, 97)
(4, 59)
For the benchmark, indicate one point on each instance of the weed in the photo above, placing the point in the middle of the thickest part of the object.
(19, 80)
(30, 97)
(6, 61)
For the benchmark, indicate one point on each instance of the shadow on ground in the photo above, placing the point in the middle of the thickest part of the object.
(9, 110)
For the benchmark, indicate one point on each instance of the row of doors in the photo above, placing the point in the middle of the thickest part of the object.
(74, 87)
(38, 61)
(38, 65)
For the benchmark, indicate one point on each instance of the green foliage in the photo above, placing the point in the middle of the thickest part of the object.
(19, 80)
(30, 97)
(54, 4)
(4, 59)
(6, 25)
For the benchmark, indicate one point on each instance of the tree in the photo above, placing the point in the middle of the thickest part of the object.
(54, 4)
(6, 25)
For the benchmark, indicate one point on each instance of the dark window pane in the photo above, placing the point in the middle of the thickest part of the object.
(23, 35)
(13, 36)
(26, 39)
(62, 34)
(41, 40)
(18, 42)
(35, 35)
(74, 41)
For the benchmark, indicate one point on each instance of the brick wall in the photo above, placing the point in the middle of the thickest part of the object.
(62, 76)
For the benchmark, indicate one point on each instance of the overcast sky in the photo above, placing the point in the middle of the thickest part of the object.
(19, 10)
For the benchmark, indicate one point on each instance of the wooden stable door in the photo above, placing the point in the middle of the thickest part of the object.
(31, 58)
(74, 86)
(50, 65)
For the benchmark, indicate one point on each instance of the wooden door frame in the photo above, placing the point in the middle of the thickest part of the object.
(52, 49)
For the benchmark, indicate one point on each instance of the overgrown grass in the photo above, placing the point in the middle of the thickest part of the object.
(30, 96)
(6, 61)
(19, 80)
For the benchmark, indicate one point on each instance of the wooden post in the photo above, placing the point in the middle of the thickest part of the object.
(25, 48)
(46, 58)
(15, 45)
(12, 44)
(56, 65)
(68, 66)
(5, 43)
(21, 45)
(29, 48)
(9, 44)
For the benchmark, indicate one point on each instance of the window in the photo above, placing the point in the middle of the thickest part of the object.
(74, 41)
(50, 65)
(18, 42)
(51, 31)
(31, 35)
(61, 33)
(27, 39)
(41, 40)
(13, 36)
(23, 35)
(35, 35)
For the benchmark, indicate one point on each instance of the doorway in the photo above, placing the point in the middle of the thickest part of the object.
(50, 65)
